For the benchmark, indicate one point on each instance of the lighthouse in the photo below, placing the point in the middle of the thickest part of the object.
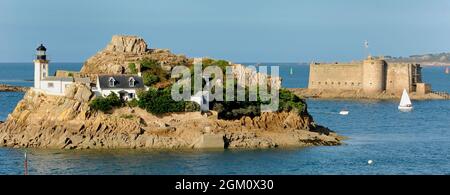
(40, 66)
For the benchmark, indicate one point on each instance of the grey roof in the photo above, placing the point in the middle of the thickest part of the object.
(121, 82)
(58, 79)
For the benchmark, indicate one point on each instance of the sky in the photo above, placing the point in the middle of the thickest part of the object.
(235, 30)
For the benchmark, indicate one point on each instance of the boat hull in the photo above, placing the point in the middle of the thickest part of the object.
(344, 113)
(405, 109)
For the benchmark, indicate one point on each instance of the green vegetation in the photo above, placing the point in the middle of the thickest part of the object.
(132, 67)
(222, 64)
(237, 109)
(150, 79)
(159, 101)
(152, 72)
(290, 101)
(132, 103)
(70, 74)
(191, 107)
(126, 116)
(106, 104)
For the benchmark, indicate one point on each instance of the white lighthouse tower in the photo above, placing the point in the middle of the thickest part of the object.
(40, 66)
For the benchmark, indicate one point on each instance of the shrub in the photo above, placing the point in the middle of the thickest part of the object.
(159, 102)
(290, 101)
(133, 103)
(150, 79)
(101, 104)
(114, 100)
(222, 64)
(191, 107)
(106, 104)
(152, 72)
(132, 68)
(126, 116)
(149, 64)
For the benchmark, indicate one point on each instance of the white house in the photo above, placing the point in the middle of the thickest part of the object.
(125, 86)
(43, 82)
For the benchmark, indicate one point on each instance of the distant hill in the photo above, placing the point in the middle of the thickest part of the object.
(441, 59)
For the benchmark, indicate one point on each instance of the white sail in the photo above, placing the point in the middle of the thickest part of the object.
(405, 101)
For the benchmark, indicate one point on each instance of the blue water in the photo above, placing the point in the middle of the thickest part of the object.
(399, 143)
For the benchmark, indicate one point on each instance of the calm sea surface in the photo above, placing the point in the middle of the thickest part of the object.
(399, 143)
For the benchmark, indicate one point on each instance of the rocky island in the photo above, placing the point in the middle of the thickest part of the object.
(10, 88)
(79, 119)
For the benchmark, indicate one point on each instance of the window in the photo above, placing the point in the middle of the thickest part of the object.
(131, 81)
(131, 95)
(50, 85)
(111, 82)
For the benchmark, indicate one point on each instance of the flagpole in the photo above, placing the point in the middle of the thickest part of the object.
(366, 46)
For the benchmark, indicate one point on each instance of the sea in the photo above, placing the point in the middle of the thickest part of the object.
(416, 142)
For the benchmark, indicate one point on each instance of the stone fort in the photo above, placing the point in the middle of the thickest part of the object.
(371, 76)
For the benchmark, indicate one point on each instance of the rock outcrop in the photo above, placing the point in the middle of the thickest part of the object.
(359, 94)
(68, 122)
(123, 50)
(9, 88)
(127, 44)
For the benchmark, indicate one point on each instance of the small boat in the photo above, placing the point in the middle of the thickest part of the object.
(344, 112)
(446, 70)
(405, 102)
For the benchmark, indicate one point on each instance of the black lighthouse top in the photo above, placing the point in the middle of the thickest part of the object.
(40, 54)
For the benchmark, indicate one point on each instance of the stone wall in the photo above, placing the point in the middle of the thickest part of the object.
(335, 76)
(398, 78)
(423, 88)
(371, 76)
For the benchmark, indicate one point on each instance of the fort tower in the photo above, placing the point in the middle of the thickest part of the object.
(374, 75)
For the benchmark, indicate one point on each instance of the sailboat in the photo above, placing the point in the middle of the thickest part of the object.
(405, 102)
(291, 71)
(446, 70)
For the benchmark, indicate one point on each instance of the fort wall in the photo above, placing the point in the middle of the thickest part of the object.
(335, 76)
(371, 76)
(398, 78)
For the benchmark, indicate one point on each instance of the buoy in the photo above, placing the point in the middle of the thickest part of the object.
(369, 162)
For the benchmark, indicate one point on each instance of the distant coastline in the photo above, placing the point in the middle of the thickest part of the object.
(10, 88)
